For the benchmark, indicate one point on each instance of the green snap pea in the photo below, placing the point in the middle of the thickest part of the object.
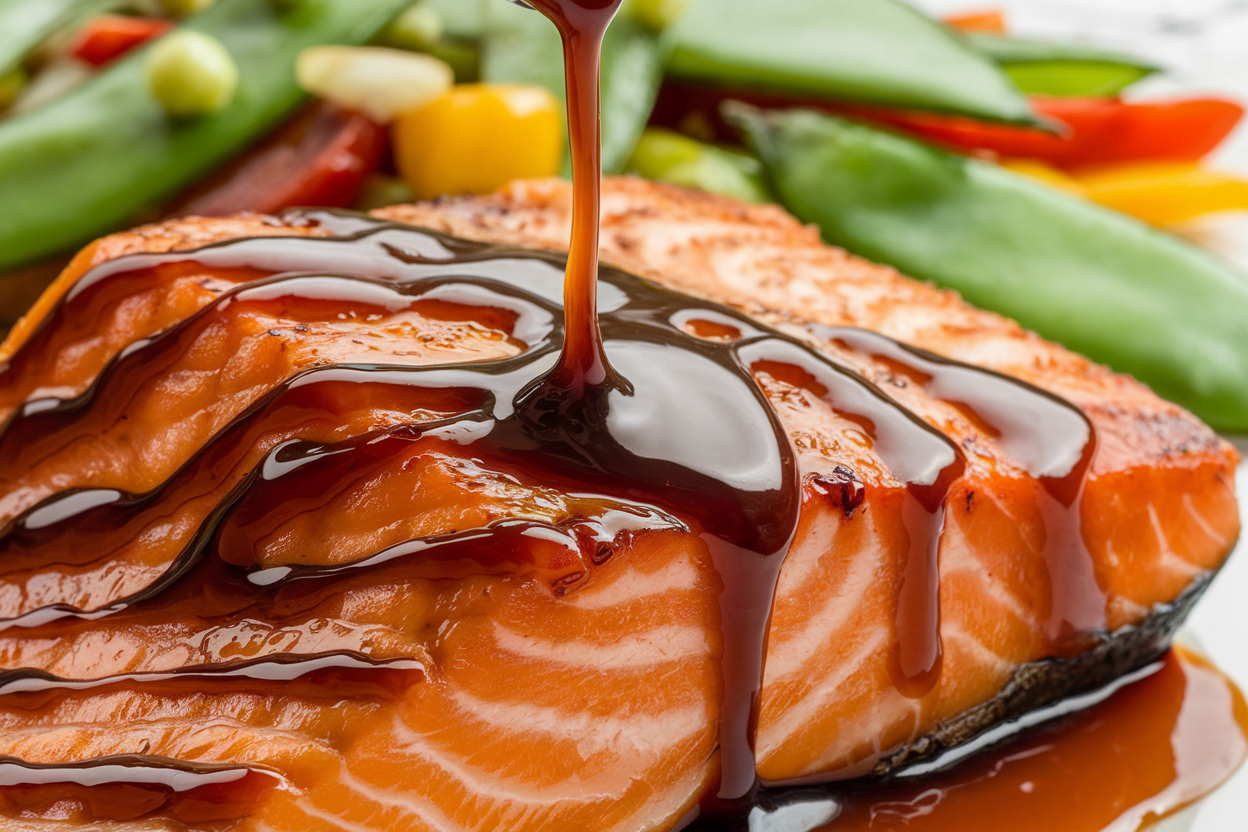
(523, 47)
(447, 32)
(869, 51)
(184, 8)
(1121, 293)
(670, 157)
(464, 19)
(95, 159)
(191, 74)
(1061, 69)
(11, 84)
(24, 24)
(420, 28)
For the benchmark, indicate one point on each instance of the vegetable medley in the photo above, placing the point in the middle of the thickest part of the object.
(1011, 170)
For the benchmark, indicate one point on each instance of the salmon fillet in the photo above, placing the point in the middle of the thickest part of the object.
(491, 700)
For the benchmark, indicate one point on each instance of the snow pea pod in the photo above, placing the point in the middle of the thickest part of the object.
(523, 47)
(95, 159)
(1101, 283)
(464, 19)
(1041, 67)
(25, 23)
(868, 51)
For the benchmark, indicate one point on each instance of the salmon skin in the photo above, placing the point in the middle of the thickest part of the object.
(227, 597)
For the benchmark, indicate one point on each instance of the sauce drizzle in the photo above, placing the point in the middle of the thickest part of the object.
(622, 406)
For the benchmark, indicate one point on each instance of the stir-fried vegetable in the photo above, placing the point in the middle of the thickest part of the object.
(191, 74)
(185, 8)
(106, 38)
(381, 83)
(323, 157)
(1164, 194)
(478, 137)
(24, 23)
(1061, 69)
(92, 160)
(1142, 301)
(670, 157)
(991, 20)
(420, 28)
(657, 14)
(11, 85)
(522, 47)
(1096, 131)
(874, 51)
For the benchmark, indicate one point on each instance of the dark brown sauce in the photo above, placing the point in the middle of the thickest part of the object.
(1049, 437)
(744, 504)
(1149, 748)
(132, 788)
(635, 404)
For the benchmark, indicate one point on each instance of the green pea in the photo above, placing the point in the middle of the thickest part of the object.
(191, 74)
(420, 28)
(184, 8)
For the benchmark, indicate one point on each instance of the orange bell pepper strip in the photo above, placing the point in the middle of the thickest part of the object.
(989, 20)
(105, 38)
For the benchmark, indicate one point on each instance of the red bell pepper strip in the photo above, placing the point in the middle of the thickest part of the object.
(321, 158)
(1089, 131)
(1097, 131)
(106, 38)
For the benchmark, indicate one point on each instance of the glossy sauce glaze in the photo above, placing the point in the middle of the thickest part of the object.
(606, 386)
(1155, 745)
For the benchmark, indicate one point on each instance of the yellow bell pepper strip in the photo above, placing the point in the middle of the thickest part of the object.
(670, 157)
(477, 138)
(1165, 194)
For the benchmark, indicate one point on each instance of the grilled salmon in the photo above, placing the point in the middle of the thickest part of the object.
(200, 592)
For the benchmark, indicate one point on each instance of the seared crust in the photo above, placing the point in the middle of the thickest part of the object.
(758, 259)
(1158, 512)
(762, 260)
